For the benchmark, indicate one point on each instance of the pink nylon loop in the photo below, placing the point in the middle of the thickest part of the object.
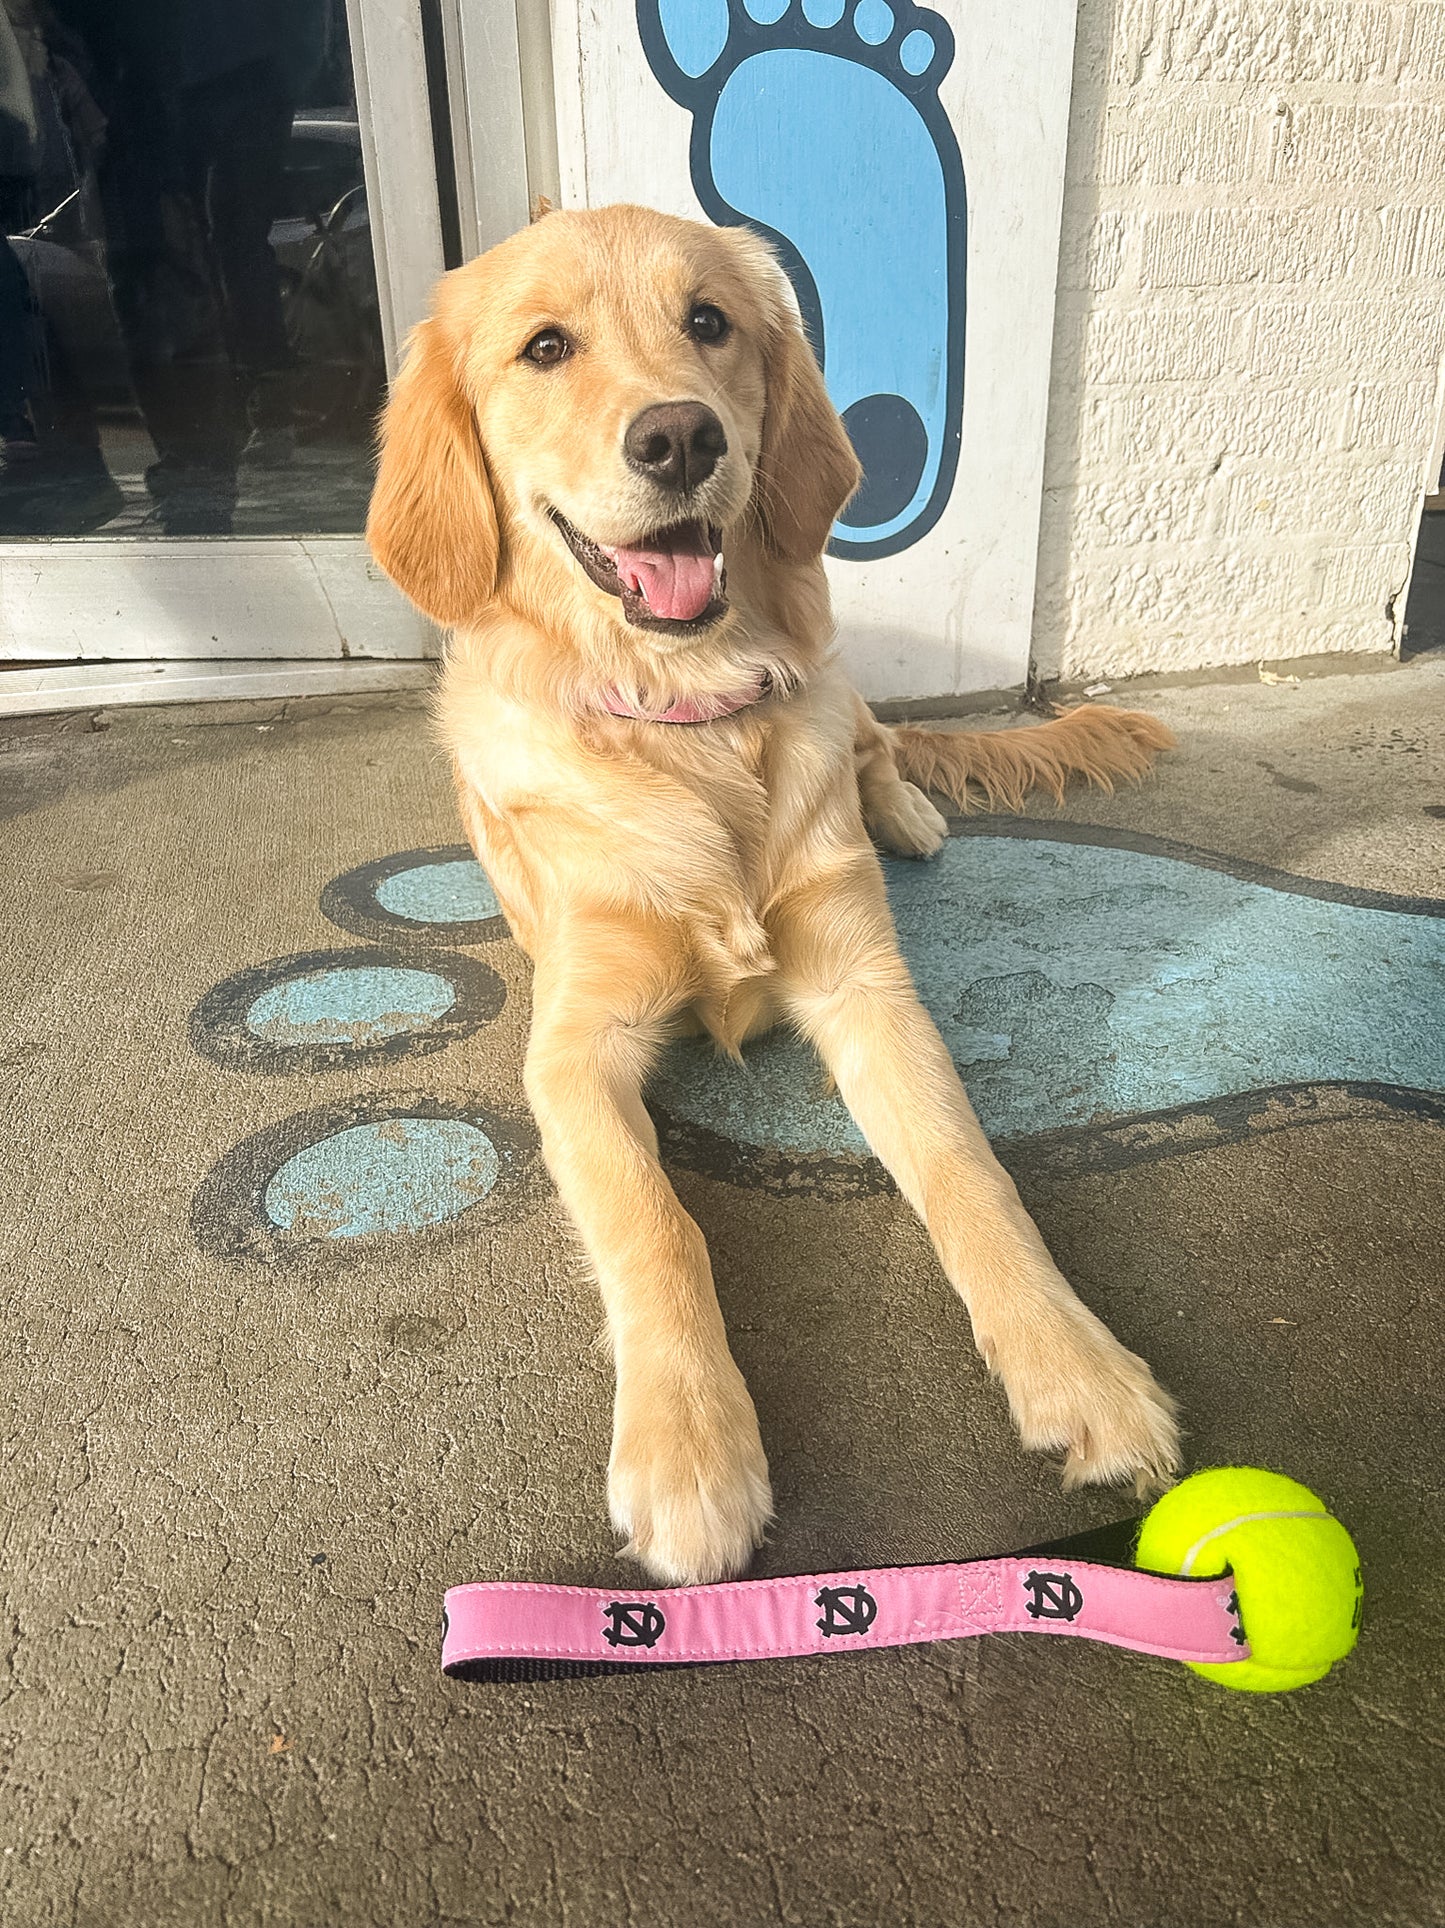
(823, 1613)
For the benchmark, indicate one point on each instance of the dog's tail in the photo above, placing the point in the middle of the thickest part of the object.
(1102, 746)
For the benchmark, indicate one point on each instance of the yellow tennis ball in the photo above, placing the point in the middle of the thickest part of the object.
(1296, 1571)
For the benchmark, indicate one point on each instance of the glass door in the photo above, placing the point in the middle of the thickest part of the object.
(217, 219)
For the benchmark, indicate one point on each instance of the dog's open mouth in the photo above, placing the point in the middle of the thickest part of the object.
(673, 580)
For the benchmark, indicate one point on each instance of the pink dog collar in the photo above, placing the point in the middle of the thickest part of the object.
(686, 709)
(499, 1630)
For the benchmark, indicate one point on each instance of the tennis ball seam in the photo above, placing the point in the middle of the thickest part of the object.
(1247, 1519)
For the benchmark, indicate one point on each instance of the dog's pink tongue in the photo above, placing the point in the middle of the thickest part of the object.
(676, 583)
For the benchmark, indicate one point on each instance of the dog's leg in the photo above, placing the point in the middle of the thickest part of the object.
(896, 812)
(688, 1480)
(1070, 1384)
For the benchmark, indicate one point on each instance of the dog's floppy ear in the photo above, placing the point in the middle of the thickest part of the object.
(432, 524)
(807, 469)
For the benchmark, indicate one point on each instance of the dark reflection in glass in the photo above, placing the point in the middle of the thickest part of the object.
(190, 342)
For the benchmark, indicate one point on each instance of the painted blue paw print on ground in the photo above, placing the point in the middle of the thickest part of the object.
(1112, 998)
(818, 123)
(402, 1163)
(417, 899)
(1109, 998)
(325, 1009)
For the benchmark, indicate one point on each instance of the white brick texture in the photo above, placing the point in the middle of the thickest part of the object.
(1246, 392)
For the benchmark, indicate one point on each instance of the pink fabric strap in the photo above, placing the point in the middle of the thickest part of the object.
(500, 1630)
(686, 709)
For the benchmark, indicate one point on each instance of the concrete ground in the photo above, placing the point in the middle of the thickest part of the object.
(235, 1490)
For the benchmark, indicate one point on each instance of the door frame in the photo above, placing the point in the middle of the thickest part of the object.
(92, 620)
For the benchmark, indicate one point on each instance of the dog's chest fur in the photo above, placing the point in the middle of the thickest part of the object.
(765, 806)
(705, 830)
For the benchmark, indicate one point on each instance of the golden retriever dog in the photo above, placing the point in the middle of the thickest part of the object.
(609, 467)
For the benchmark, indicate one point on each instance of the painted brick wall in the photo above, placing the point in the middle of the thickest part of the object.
(1246, 389)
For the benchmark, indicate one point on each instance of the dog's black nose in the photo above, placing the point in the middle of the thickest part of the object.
(676, 444)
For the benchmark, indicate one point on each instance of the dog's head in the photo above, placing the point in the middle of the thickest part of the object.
(605, 404)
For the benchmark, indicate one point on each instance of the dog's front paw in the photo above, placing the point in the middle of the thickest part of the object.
(903, 820)
(688, 1482)
(1073, 1388)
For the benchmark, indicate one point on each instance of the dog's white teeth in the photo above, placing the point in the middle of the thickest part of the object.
(717, 567)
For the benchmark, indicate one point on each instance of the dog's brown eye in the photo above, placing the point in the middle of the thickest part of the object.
(549, 347)
(706, 323)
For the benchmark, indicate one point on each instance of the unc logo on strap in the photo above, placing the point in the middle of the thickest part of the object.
(846, 1610)
(1055, 1597)
(633, 1623)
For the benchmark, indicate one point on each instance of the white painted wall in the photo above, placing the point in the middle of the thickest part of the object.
(953, 612)
(1246, 395)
